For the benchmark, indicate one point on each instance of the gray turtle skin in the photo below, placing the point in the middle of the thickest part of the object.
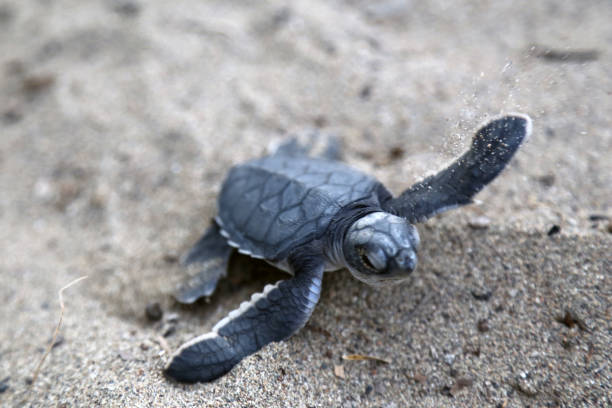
(308, 215)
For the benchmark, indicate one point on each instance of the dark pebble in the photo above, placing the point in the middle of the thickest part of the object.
(547, 180)
(37, 83)
(555, 229)
(169, 330)
(482, 295)
(281, 17)
(11, 116)
(446, 390)
(154, 312)
(127, 8)
(59, 340)
(420, 378)
(598, 217)
(320, 121)
(368, 389)
(559, 55)
(571, 319)
(461, 383)
(483, 326)
(365, 92)
(4, 385)
(171, 258)
(396, 152)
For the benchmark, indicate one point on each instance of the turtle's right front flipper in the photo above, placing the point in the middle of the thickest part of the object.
(211, 255)
(492, 148)
(273, 315)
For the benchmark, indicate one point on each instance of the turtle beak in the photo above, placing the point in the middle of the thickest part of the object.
(403, 263)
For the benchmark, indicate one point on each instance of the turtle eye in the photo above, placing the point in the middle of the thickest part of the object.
(374, 258)
(366, 261)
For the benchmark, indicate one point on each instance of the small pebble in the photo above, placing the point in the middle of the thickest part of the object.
(482, 294)
(555, 229)
(483, 326)
(37, 83)
(11, 115)
(59, 340)
(365, 92)
(524, 385)
(126, 355)
(127, 8)
(571, 319)
(420, 378)
(396, 152)
(4, 385)
(170, 258)
(168, 330)
(460, 383)
(172, 317)
(479, 223)
(154, 312)
(547, 180)
(320, 121)
(339, 371)
(446, 390)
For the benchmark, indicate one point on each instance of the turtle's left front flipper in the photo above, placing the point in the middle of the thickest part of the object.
(274, 315)
(492, 148)
(211, 255)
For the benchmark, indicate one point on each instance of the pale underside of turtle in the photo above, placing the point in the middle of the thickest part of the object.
(307, 215)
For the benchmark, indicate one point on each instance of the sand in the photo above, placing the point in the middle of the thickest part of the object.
(119, 119)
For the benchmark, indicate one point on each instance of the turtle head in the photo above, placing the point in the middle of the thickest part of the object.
(380, 248)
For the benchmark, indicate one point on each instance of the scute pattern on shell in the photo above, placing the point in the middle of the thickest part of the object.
(269, 206)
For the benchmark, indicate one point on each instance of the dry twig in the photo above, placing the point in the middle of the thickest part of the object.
(57, 329)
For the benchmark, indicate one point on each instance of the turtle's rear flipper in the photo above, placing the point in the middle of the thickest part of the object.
(492, 148)
(293, 148)
(273, 315)
(333, 149)
(313, 143)
(210, 256)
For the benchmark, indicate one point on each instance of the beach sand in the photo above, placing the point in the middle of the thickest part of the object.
(120, 118)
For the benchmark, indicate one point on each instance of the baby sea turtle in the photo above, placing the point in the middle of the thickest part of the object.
(309, 215)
